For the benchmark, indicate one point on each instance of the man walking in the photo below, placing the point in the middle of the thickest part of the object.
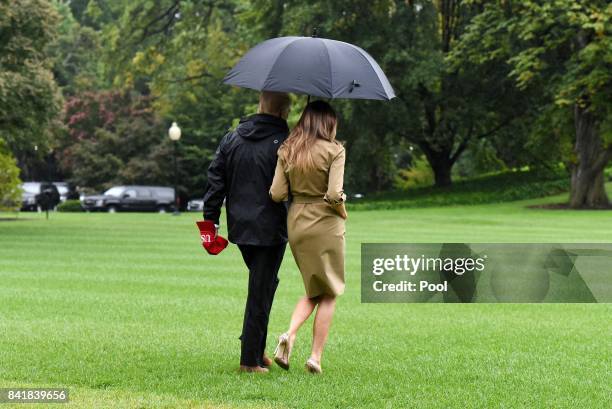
(241, 174)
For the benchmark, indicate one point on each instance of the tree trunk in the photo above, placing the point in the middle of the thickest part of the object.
(588, 190)
(441, 165)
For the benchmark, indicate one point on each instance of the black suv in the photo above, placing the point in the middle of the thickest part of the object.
(39, 196)
(131, 198)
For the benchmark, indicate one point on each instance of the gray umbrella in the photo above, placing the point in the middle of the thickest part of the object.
(312, 66)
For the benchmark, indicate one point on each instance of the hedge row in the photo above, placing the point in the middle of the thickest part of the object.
(503, 187)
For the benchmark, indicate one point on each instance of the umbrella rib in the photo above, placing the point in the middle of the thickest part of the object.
(276, 61)
(331, 77)
(361, 53)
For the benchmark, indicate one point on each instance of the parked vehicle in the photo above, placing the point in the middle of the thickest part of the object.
(39, 196)
(66, 191)
(131, 198)
(195, 205)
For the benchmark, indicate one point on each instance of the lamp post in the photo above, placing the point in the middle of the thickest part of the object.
(175, 134)
(49, 178)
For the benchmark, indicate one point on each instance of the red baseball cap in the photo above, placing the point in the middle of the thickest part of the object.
(213, 244)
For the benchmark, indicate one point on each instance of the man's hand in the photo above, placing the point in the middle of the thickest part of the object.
(208, 235)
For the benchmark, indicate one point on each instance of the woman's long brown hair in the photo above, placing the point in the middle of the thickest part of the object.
(318, 121)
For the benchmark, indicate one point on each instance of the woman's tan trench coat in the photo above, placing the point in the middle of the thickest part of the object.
(315, 223)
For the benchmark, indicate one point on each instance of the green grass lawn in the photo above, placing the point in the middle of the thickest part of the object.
(126, 310)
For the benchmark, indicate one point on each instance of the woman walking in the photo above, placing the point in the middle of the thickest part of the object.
(310, 168)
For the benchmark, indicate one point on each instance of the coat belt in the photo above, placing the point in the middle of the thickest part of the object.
(308, 199)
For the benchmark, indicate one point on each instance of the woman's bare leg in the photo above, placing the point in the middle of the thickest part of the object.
(322, 322)
(304, 307)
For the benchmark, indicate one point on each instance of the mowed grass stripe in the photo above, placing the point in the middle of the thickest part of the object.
(126, 309)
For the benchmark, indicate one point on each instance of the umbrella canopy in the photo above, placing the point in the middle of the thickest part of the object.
(312, 66)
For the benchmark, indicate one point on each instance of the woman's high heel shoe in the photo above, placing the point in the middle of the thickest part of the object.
(281, 353)
(313, 366)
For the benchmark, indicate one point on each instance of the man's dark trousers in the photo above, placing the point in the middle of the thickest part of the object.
(263, 263)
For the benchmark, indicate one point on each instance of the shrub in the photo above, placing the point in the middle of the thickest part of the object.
(420, 174)
(10, 192)
(495, 188)
(70, 206)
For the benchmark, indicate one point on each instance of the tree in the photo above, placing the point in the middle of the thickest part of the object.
(94, 13)
(30, 102)
(10, 192)
(452, 105)
(177, 52)
(441, 107)
(562, 48)
(77, 54)
(110, 136)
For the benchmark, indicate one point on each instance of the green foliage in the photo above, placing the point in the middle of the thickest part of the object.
(560, 49)
(569, 42)
(444, 107)
(419, 174)
(177, 52)
(581, 28)
(481, 157)
(71, 206)
(95, 13)
(441, 107)
(114, 138)
(482, 86)
(30, 101)
(76, 52)
(10, 192)
(496, 188)
(370, 160)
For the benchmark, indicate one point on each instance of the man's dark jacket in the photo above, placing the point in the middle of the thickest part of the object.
(241, 173)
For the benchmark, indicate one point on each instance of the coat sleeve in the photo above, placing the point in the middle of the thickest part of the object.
(279, 191)
(335, 191)
(215, 187)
